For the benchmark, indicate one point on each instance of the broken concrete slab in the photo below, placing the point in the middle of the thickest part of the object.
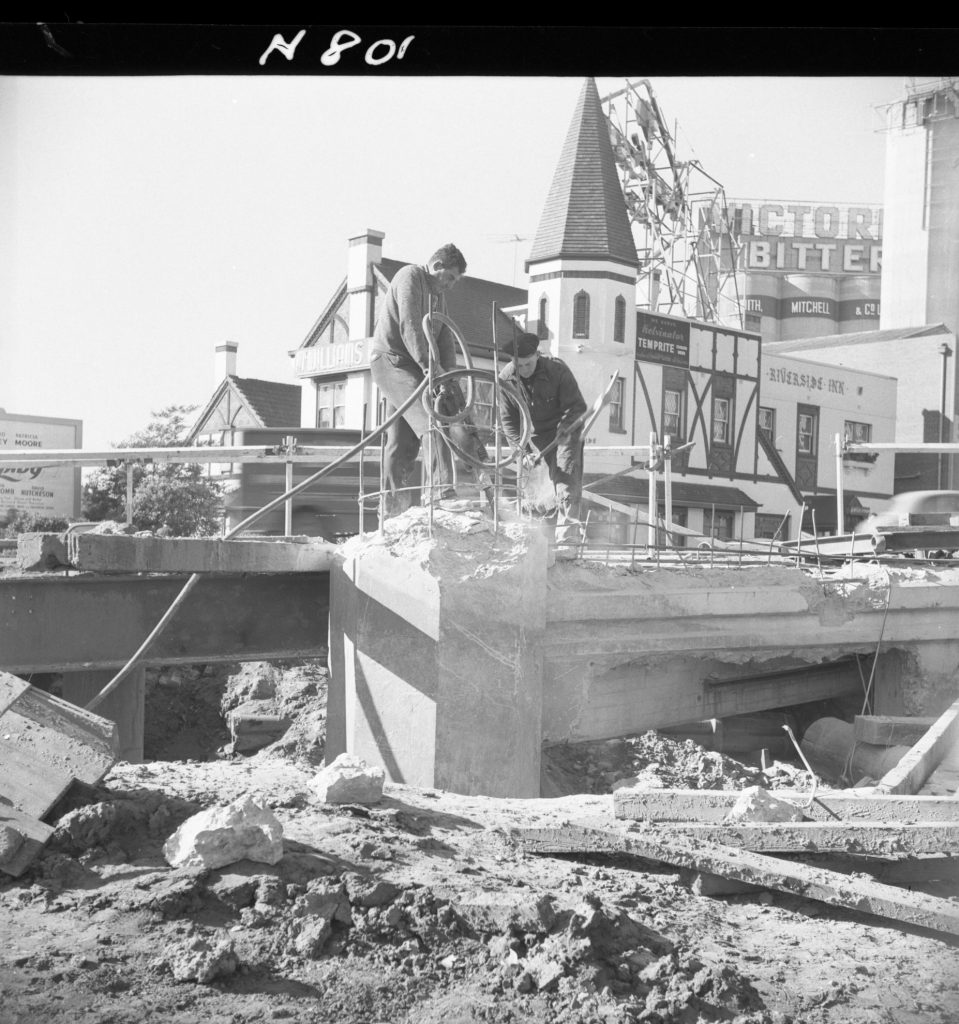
(243, 830)
(42, 552)
(21, 840)
(712, 805)
(924, 756)
(348, 779)
(94, 552)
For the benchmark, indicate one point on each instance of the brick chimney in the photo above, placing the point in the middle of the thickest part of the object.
(224, 363)
(365, 250)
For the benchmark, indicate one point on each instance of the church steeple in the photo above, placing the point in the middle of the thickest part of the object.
(585, 213)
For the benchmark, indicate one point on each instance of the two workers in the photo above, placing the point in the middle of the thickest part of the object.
(399, 362)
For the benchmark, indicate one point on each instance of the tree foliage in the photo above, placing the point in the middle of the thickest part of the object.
(175, 496)
(17, 522)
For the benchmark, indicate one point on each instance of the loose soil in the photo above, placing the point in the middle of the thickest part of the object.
(421, 909)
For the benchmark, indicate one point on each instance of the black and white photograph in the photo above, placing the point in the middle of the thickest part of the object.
(479, 524)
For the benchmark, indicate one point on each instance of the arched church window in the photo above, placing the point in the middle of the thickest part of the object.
(581, 315)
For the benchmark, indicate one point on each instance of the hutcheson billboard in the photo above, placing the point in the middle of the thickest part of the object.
(49, 491)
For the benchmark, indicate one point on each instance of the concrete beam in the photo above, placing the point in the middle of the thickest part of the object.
(741, 865)
(875, 840)
(98, 552)
(76, 623)
(890, 730)
(924, 756)
(712, 805)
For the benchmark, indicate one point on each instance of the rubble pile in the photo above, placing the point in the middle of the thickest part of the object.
(655, 761)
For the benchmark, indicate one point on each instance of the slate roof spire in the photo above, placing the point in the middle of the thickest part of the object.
(585, 213)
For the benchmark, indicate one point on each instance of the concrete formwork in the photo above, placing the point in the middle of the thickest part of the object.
(454, 659)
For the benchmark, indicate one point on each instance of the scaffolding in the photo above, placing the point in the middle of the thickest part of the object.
(688, 253)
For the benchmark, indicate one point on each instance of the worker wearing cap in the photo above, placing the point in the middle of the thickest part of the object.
(555, 404)
(399, 360)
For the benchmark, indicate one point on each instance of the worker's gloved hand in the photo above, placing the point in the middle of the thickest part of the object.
(530, 459)
(449, 398)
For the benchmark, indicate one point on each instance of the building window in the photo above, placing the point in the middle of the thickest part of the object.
(543, 326)
(769, 527)
(616, 407)
(806, 436)
(581, 315)
(767, 423)
(619, 320)
(673, 417)
(721, 407)
(858, 433)
(672, 414)
(718, 524)
(331, 404)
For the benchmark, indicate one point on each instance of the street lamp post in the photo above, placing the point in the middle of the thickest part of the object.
(945, 351)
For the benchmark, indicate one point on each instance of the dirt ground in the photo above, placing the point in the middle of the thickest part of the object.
(420, 909)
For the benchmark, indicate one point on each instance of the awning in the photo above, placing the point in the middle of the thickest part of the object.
(824, 506)
(632, 490)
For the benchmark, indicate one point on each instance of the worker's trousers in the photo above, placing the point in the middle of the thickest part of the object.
(397, 377)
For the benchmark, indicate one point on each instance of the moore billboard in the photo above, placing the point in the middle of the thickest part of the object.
(49, 491)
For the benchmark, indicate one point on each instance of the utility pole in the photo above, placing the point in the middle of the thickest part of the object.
(945, 351)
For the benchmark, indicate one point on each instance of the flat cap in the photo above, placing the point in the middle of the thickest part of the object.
(526, 345)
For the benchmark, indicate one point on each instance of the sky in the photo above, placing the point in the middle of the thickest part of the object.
(144, 220)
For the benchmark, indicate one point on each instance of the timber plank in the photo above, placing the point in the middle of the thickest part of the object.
(712, 805)
(29, 783)
(653, 842)
(922, 759)
(22, 837)
(890, 730)
(98, 552)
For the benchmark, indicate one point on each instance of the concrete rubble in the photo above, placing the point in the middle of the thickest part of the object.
(349, 780)
(242, 830)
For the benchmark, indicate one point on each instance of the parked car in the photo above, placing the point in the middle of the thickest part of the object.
(938, 503)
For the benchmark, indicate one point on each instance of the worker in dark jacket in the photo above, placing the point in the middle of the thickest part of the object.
(399, 360)
(556, 404)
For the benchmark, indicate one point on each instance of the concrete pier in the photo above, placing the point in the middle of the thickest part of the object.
(453, 658)
(436, 654)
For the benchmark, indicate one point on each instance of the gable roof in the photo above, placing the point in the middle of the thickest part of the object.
(268, 402)
(585, 213)
(470, 305)
(324, 318)
(275, 404)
